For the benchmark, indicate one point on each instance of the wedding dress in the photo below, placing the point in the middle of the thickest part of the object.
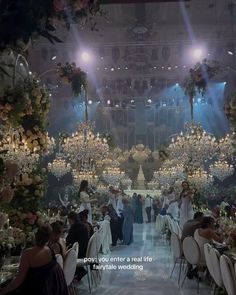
(186, 211)
(85, 204)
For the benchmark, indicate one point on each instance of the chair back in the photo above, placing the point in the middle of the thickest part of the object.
(191, 250)
(207, 249)
(99, 238)
(91, 251)
(175, 245)
(215, 264)
(228, 275)
(70, 266)
(59, 260)
(76, 248)
(159, 223)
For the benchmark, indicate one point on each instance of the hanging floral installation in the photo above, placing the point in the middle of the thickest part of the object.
(41, 18)
(198, 79)
(72, 75)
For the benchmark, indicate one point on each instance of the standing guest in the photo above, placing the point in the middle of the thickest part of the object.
(112, 197)
(55, 242)
(83, 216)
(138, 214)
(186, 207)
(85, 202)
(39, 273)
(105, 213)
(173, 208)
(206, 234)
(165, 202)
(148, 207)
(215, 213)
(191, 225)
(113, 224)
(128, 223)
(119, 208)
(155, 207)
(134, 205)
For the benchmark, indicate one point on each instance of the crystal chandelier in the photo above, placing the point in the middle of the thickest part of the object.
(126, 182)
(84, 174)
(194, 147)
(226, 147)
(14, 149)
(153, 184)
(168, 175)
(221, 170)
(200, 179)
(84, 146)
(113, 176)
(59, 167)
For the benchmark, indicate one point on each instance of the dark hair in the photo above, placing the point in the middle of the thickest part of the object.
(83, 185)
(198, 215)
(42, 235)
(73, 216)
(206, 221)
(185, 181)
(57, 228)
(83, 214)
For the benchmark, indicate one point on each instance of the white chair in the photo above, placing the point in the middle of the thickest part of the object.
(106, 237)
(70, 268)
(159, 224)
(215, 263)
(75, 247)
(176, 248)
(59, 260)
(192, 255)
(228, 275)
(91, 253)
(207, 249)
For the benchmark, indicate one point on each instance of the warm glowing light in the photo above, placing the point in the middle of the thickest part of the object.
(197, 53)
(85, 56)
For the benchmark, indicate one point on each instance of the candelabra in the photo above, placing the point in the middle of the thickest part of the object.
(113, 175)
(168, 175)
(59, 167)
(221, 170)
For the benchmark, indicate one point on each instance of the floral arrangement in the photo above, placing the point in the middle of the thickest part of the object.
(40, 18)
(70, 74)
(199, 76)
(29, 191)
(26, 104)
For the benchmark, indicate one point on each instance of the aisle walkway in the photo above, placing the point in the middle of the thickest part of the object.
(154, 279)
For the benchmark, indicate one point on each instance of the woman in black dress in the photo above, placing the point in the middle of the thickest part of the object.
(39, 273)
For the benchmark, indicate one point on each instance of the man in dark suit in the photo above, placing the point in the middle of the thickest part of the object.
(77, 233)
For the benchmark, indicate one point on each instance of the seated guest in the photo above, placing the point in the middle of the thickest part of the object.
(77, 233)
(191, 225)
(39, 273)
(55, 242)
(206, 234)
(83, 216)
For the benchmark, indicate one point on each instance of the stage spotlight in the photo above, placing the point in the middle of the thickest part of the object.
(117, 105)
(85, 56)
(54, 57)
(108, 102)
(230, 52)
(149, 100)
(112, 69)
(177, 84)
(225, 83)
(198, 53)
(90, 101)
(132, 101)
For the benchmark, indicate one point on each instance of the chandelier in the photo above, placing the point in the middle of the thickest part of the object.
(221, 169)
(226, 147)
(153, 184)
(113, 176)
(126, 182)
(168, 175)
(194, 147)
(200, 179)
(84, 174)
(14, 149)
(84, 146)
(59, 167)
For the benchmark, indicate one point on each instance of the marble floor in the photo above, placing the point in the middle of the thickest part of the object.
(154, 278)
